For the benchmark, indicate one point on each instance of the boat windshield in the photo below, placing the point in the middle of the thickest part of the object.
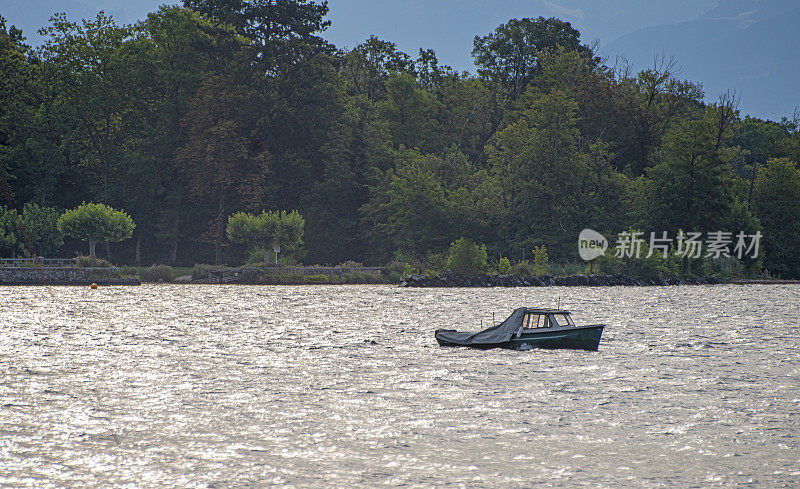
(562, 320)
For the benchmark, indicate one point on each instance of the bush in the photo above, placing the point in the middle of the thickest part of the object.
(157, 273)
(317, 278)
(503, 266)
(83, 261)
(200, 271)
(255, 257)
(350, 264)
(128, 272)
(393, 272)
(522, 268)
(466, 257)
(540, 260)
(359, 278)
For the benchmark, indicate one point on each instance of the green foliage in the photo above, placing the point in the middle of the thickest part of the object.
(503, 266)
(200, 271)
(204, 111)
(642, 267)
(776, 199)
(540, 261)
(83, 261)
(320, 278)
(466, 257)
(255, 257)
(157, 273)
(522, 268)
(8, 229)
(268, 229)
(41, 228)
(510, 55)
(96, 222)
(395, 271)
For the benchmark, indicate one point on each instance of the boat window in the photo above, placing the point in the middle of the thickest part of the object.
(562, 319)
(533, 321)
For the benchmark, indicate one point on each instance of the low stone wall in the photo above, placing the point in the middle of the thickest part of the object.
(495, 280)
(62, 276)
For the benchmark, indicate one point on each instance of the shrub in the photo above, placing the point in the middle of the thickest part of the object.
(157, 273)
(503, 266)
(350, 264)
(393, 272)
(255, 257)
(317, 278)
(360, 278)
(540, 260)
(523, 268)
(465, 256)
(200, 271)
(128, 272)
(83, 261)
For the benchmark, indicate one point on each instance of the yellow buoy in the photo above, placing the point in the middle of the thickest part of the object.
(94, 286)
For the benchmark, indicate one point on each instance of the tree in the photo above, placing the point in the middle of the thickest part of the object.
(465, 256)
(90, 66)
(96, 222)
(409, 207)
(510, 55)
(540, 174)
(690, 188)
(284, 31)
(407, 111)
(218, 159)
(41, 228)
(8, 230)
(368, 66)
(775, 200)
(268, 229)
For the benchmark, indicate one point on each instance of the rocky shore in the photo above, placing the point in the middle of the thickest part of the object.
(496, 280)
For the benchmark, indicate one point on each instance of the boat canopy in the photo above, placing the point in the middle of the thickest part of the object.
(499, 333)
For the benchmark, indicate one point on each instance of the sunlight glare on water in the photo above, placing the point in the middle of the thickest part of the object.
(240, 386)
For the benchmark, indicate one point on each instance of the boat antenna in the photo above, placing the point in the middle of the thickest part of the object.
(559, 303)
(492, 318)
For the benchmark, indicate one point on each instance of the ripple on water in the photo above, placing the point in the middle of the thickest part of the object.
(211, 386)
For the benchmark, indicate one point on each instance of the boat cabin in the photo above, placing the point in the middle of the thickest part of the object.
(537, 319)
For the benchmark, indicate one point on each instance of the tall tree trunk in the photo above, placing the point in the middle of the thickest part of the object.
(108, 251)
(173, 254)
(92, 247)
(139, 251)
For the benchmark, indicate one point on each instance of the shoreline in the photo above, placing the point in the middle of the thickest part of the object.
(566, 281)
(496, 280)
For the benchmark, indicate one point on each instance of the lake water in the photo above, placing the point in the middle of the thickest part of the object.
(336, 386)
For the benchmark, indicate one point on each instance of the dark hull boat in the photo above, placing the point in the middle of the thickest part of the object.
(528, 328)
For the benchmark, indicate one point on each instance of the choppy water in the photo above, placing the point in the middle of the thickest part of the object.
(335, 386)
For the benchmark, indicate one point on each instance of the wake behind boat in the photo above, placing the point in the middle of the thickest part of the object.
(528, 328)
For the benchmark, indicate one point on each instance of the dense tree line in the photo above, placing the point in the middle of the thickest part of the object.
(218, 107)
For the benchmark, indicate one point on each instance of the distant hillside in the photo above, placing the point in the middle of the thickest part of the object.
(749, 46)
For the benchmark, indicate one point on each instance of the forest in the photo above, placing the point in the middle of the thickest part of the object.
(217, 107)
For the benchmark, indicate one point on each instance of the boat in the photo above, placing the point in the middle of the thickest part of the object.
(528, 328)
